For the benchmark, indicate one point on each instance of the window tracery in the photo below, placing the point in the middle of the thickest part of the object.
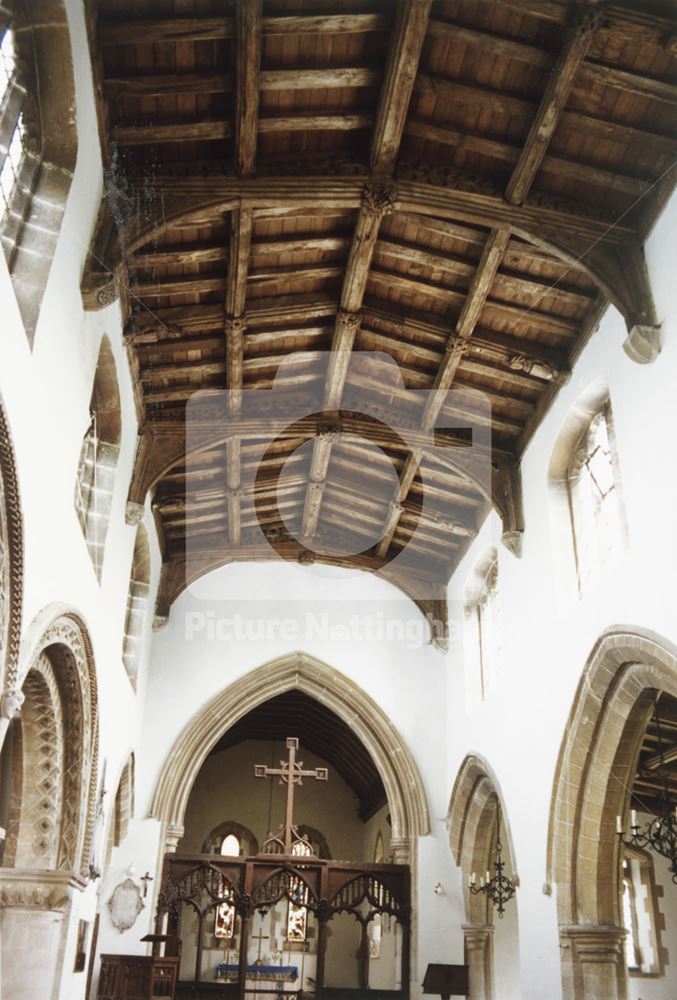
(596, 513)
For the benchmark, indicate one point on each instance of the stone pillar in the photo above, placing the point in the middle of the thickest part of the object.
(34, 915)
(479, 948)
(593, 963)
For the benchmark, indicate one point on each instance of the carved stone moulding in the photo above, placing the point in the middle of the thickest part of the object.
(37, 890)
(11, 563)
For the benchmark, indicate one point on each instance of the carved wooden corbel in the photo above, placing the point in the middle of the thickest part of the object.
(507, 492)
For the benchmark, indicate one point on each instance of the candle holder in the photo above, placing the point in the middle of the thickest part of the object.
(499, 889)
(660, 832)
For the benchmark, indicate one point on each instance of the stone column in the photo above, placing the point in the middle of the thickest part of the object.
(35, 909)
(479, 947)
(593, 963)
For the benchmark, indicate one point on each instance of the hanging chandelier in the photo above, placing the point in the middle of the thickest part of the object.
(660, 832)
(499, 888)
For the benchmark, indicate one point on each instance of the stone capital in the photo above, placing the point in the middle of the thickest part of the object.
(477, 936)
(10, 703)
(400, 850)
(173, 835)
(37, 890)
(602, 943)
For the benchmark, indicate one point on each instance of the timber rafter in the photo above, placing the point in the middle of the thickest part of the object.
(454, 189)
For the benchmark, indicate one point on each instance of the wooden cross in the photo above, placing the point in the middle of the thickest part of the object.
(290, 773)
(260, 937)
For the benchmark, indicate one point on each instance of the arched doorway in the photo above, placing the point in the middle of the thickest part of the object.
(595, 780)
(49, 767)
(477, 821)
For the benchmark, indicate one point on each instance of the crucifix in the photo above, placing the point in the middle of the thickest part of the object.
(260, 937)
(290, 773)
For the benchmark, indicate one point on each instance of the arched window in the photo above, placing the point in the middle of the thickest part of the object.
(596, 513)
(232, 839)
(379, 852)
(98, 458)
(137, 605)
(38, 143)
(482, 627)
(644, 953)
(588, 522)
(230, 846)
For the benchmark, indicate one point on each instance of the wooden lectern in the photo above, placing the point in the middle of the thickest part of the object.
(446, 980)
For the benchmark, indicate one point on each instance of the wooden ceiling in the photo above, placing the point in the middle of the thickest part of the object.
(654, 774)
(320, 732)
(460, 185)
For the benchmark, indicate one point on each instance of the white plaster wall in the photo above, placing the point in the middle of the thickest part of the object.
(548, 631)
(46, 393)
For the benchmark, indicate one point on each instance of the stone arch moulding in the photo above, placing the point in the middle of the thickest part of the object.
(471, 823)
(64, 629)
(402, 782)
(597, 761)
(11, 577)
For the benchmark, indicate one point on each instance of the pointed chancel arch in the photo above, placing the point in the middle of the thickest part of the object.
(471, 821)
(392, 758)
(595, 771)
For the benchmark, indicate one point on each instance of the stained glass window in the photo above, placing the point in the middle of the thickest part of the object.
(297, 913)
(224, 925)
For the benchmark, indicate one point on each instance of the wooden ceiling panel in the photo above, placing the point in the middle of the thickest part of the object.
(433, 242)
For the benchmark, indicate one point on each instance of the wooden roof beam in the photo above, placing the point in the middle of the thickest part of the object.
(576, 44)
(402, 65)
(449, 136)
(629, 81)
(141, 31)
(377, 201)
(487, 268)
(404, 52)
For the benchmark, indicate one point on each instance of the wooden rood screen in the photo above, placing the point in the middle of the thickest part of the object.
(282, 925)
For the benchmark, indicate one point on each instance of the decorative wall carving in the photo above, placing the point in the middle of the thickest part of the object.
(11, 572)
(66, 645)
(125, 905)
